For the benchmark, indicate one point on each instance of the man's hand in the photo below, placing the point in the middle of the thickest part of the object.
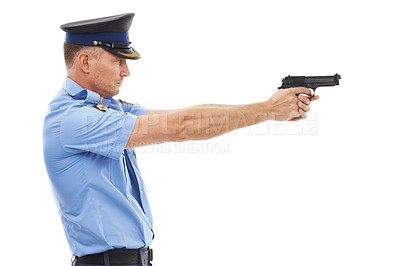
(304, 104)
(289, 104)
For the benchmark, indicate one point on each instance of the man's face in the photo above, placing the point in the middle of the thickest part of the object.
(108, 73)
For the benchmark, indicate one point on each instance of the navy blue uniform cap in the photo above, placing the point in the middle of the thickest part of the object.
(110, 33)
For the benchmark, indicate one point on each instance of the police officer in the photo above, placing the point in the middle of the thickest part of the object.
(89, 138)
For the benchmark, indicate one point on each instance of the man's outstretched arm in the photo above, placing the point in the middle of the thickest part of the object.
(158, 112)
(203, 122)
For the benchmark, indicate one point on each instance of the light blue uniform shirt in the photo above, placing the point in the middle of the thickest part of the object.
(96, 183)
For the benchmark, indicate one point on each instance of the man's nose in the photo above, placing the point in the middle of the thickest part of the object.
(125, 69)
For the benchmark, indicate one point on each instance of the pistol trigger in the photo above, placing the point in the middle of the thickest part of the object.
(312, 92)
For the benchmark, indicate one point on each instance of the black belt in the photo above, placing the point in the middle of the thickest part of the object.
(119, 257)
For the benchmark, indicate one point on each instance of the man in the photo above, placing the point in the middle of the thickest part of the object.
(89, 139)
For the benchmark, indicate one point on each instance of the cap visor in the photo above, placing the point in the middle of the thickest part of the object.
(124, 53)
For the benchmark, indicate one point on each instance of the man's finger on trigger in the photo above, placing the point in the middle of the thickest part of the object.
(316, 97)
(302, 90)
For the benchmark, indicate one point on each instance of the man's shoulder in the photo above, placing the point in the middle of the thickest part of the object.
(63, 108)
(64, 102)
(61, 100)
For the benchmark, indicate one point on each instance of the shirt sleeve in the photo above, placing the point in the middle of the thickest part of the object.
(134, 109)
(101, 132)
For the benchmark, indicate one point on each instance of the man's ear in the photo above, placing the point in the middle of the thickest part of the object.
(84, 62)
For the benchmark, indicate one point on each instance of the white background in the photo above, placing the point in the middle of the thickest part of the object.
(324, 191)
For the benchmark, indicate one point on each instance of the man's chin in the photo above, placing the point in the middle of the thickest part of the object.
(114, 92)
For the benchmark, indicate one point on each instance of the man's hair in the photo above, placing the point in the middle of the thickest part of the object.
(71, 51)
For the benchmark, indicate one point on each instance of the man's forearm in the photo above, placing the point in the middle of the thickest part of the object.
(210, 121)
(214, 105)
(158, 112)
(194, 123)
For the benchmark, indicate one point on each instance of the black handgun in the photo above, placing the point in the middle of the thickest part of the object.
(309, 82)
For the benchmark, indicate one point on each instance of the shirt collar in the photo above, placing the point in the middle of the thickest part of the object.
(106, 101)
(79, 93)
